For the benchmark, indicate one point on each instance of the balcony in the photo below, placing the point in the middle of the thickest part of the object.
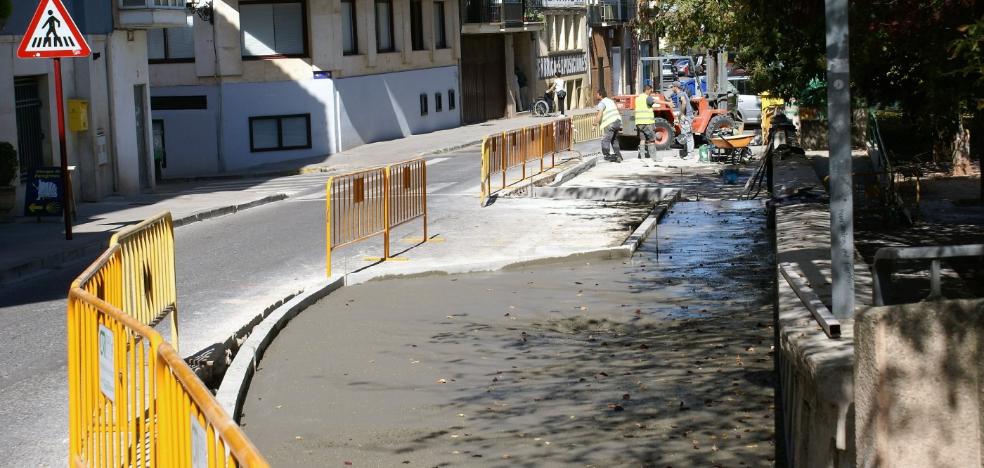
(152, 14)
(611, 12)
(491, 16)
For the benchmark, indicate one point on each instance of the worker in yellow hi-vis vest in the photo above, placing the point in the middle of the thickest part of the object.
(610, 121)
(645, 119)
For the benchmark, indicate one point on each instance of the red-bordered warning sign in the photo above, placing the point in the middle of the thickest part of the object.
(52, 33)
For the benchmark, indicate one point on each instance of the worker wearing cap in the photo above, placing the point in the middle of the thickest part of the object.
(645, 120)
(685, 115)
(610, 122)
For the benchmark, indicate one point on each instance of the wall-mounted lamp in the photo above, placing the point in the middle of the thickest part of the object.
(202, 9)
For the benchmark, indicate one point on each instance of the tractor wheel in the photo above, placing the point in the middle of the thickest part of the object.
(664, 134)
(719, 122)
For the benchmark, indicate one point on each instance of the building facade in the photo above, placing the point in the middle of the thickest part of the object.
(112, 155)
(613, 52)
(499, 40)
(249, 83)
(562, 47)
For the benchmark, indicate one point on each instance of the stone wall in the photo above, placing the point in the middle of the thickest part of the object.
(816, 393)
(918, 384)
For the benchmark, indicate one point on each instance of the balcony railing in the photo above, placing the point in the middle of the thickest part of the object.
(605, 12)
(152, 14)
(505, 13)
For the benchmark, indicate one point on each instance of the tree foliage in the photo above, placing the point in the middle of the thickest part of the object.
(923, 56)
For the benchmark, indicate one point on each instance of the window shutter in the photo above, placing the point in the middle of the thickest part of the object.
(295, 131)
(181, 42)
(288, 25)
(264, 133)
(256, 23)
(155, 44)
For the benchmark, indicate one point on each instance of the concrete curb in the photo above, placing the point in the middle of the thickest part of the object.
(226, 210)
(34, 267)
(235, 383)
(551, 179)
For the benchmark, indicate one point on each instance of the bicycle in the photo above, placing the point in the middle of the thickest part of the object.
(543, 107)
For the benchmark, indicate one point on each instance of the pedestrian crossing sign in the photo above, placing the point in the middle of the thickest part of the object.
(52, 33)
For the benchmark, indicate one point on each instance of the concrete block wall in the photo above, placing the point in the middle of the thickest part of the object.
(918, 384)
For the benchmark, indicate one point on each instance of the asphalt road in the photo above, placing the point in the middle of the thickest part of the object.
(229, 270)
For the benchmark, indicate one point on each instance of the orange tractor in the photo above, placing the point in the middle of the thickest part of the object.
(707, 120)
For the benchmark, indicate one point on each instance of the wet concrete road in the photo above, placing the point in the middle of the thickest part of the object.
(661, 360)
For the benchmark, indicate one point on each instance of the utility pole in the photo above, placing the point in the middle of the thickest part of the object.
(839, 138)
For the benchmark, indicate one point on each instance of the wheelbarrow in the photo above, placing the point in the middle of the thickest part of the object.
(734, 147)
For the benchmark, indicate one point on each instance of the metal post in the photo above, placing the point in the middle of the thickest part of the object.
(66, 181)
(722, 80)
(839, 136)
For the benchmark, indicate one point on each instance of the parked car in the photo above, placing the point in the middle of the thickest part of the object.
(749, 104)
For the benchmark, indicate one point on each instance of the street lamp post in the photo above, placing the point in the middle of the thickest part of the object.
(839, 138)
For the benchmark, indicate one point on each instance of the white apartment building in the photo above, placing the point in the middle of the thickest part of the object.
(112, 154)
(248, 83)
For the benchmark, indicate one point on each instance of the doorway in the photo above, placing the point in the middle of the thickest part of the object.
(160, 151)
(483, 77)
(30, 125)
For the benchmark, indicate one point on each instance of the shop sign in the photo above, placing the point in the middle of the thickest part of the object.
(574, 63)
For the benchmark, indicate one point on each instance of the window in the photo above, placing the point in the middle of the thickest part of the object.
(161, 103)
(350, 38)
(384, 26)
(272, 29)
(171, 44)
(416, 25)
(423, 103)
(451, 100)
(440, 33)
(438, 104)
(279, 132)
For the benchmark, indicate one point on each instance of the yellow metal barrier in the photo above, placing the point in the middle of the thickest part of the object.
(584, 128)
(147, 267)
(367, 203)
(516, 148)
(133, 402)
(769, 106)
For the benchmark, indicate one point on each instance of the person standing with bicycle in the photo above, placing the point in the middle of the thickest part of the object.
(557, 88)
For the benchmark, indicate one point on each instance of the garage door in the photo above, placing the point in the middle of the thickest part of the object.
(483, 80)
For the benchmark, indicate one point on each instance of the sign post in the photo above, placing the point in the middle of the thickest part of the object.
(53, 34)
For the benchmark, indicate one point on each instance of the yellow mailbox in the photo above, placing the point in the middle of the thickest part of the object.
(78, 115)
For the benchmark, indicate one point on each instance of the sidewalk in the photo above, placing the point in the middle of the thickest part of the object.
(28, 247)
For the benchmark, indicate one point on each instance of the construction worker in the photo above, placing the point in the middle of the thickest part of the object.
(685, 117)
(610, 121)
(644, 121)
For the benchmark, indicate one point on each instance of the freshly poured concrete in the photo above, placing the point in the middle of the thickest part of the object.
(659, 360)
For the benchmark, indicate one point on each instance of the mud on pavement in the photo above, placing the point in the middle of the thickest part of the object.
(661, 360)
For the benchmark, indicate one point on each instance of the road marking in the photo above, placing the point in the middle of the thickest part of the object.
(431, 188)
(436, 160)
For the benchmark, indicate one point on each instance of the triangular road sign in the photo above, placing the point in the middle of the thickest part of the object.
(52, 33)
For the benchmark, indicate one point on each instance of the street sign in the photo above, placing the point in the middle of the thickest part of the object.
(44, 192)
(52, 33)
